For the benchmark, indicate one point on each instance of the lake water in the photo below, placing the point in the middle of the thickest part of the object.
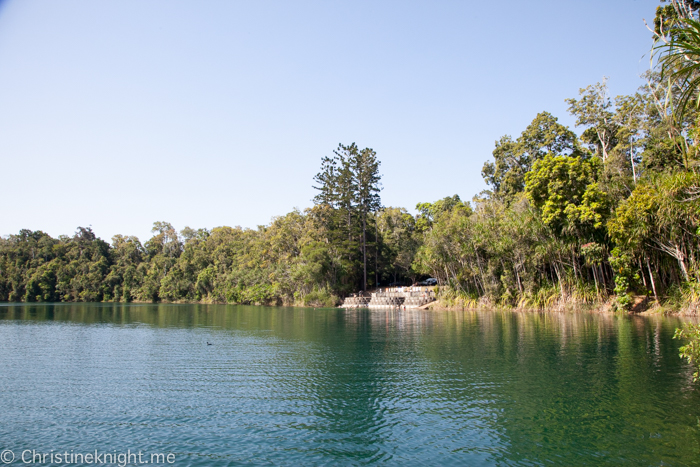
(285, 386)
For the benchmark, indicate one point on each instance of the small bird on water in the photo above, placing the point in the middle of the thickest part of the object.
(209, 343)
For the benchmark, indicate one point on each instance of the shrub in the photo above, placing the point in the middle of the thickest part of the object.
(690, 351)
(320, 298)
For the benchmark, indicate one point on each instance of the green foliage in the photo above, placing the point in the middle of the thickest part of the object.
(428, 213)
(690, 351)
(398, 242)
(514, 159)
(311, 257)
(621, 262)
(565, 191)
(683, 297)
(349, 186)
(321, 299)
(661, 215)
(561, 225)
(679, 56)
(594, 111)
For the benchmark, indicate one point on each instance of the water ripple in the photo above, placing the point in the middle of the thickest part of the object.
(317, 387)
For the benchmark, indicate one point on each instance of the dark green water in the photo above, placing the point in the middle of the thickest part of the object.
(286, 386)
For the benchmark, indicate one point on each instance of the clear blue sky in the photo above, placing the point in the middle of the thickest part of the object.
(117, 114)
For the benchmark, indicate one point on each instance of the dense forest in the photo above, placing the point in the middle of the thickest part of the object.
(608, 215)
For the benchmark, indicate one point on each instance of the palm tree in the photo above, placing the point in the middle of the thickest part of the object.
(679, 57)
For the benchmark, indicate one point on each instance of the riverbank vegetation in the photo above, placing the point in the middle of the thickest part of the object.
(605, 216)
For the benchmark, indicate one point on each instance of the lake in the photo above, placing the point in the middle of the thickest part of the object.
(292, 386)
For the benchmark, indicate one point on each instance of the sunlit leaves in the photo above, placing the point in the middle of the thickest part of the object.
(565, 191)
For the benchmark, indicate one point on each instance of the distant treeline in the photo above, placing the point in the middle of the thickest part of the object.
(290, 261)
(612, 213)
(339, 246)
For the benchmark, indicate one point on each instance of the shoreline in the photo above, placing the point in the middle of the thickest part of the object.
(644, 306)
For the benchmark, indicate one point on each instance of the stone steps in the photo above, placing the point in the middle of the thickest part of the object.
(409, 297)
(356, 302)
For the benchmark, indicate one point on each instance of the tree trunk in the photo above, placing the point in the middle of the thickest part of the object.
(644, 280)
(364, 251)
(651, 276)
(681, 261)
(595, 278)
(517, 277)
(634, 172)
(376, 252)
(561, 286)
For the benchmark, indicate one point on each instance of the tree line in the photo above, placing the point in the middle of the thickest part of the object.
(612, 213)
(343, 244)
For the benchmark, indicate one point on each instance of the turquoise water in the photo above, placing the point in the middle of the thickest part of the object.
(284, 386)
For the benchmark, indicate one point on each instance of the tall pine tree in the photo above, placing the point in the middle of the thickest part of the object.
(349, 184)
